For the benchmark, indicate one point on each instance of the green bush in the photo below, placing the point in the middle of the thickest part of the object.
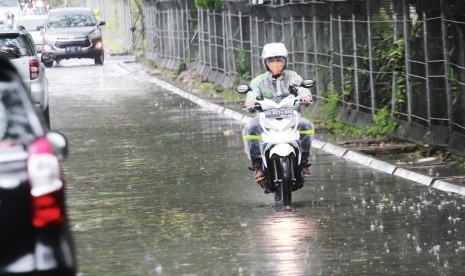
(242, 72)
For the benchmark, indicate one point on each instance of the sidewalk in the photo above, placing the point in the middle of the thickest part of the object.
(420, 171)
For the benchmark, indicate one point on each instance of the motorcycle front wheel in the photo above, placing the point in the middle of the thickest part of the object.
(286, 184)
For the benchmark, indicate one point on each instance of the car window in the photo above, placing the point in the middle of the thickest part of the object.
(15, 120)
(70, 21)
(9, 3)
(14, 46)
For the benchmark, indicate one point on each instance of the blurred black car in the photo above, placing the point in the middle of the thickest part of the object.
(72, 33)
(35, 238)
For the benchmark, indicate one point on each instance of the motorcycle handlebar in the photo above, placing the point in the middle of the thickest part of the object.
(258, 106)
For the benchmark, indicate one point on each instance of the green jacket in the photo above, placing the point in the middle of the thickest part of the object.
(275, 89)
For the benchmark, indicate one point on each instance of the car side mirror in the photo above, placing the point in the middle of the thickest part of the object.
(59, 144)
(40, 28)
(101, 23)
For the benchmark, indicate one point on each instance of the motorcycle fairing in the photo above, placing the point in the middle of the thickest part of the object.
(269, 149)
(282, 150)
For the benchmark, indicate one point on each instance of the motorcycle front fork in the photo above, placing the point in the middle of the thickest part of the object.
(275, 170)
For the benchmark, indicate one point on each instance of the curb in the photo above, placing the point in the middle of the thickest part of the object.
(336, 150)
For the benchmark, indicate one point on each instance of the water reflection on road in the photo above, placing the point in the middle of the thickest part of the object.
(158, 186)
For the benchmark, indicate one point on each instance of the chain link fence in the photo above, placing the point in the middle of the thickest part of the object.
(124, 22)
(403, 57)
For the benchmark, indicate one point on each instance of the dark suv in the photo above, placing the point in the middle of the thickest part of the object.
(35, 238)
(72, 33)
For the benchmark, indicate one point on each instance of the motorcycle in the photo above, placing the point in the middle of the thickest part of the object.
(280, 143)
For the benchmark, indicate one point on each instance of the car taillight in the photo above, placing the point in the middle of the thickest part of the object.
(46, 185)
(34, 69)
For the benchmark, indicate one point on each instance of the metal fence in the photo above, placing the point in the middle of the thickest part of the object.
(123, 19)
(401, 55)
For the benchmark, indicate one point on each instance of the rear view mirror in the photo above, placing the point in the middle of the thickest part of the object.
(242, 89)
(307, 83)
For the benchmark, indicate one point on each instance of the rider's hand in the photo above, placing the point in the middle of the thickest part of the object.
(306, 100)
(250, 105)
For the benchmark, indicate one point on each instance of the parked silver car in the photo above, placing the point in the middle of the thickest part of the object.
(19, 48)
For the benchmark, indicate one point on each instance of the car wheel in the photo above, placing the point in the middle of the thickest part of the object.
(48, 64)
(100, 59)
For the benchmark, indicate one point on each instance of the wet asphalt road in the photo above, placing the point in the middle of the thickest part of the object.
(158, 186)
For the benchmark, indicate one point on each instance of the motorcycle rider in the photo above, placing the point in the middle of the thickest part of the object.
(274, 84)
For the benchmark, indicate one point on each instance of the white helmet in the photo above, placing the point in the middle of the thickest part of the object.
(271, 50)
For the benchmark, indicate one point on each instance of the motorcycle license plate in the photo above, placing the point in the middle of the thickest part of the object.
(279, 113)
